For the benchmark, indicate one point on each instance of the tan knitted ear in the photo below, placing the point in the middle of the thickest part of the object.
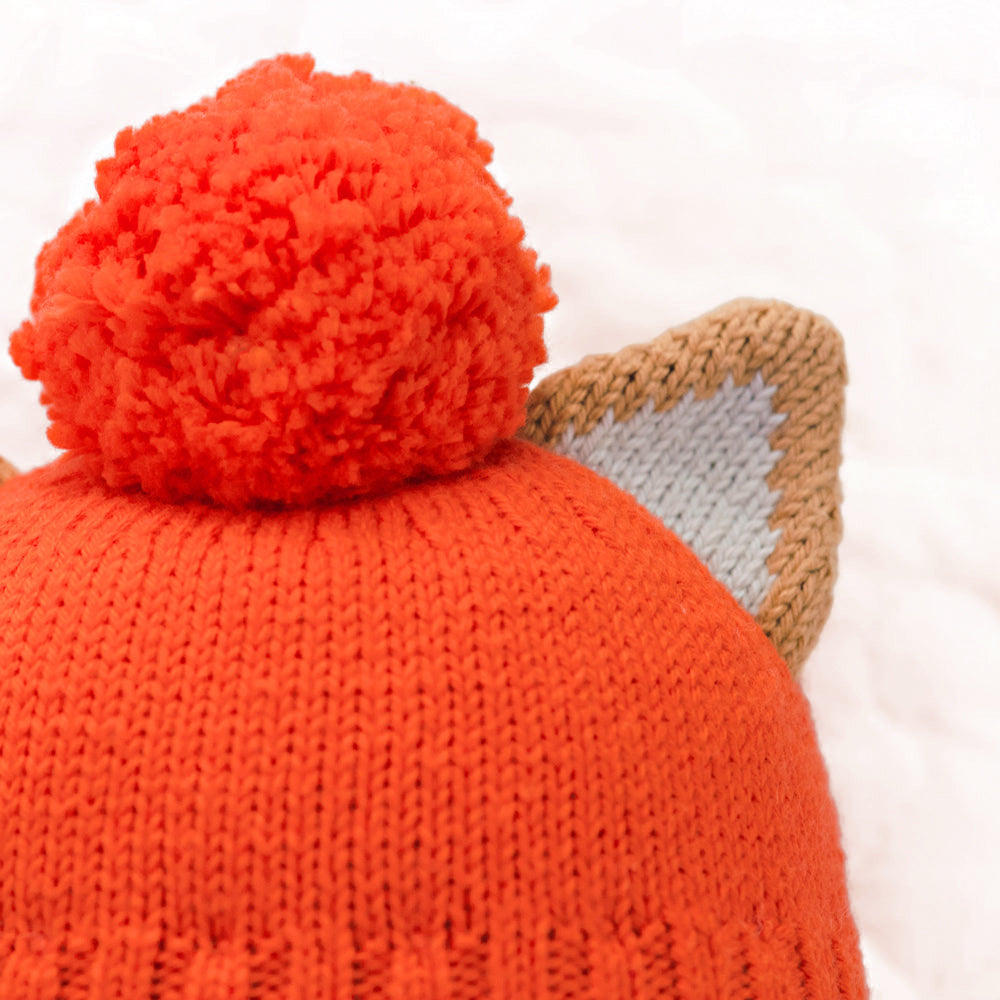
(727, 428)
(7, 470)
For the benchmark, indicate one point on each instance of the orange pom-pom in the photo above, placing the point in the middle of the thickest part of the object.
(306, 287)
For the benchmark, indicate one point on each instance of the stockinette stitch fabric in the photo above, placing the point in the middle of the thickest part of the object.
(317, 681)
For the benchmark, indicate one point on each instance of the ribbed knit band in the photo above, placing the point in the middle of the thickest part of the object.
(499, 735)
(731, 962)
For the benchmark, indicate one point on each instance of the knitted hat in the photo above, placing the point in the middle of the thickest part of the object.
(326, 672)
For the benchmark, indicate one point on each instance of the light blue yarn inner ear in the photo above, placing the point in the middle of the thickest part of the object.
(701, 467)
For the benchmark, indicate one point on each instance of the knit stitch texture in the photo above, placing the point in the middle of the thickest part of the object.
(500, 735)
(702, 468)
(315, 684)
(794, 352)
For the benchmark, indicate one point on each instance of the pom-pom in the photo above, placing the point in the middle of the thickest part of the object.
(306, 287)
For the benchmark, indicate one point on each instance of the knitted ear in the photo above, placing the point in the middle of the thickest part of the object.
(727, 429)
(7, 471)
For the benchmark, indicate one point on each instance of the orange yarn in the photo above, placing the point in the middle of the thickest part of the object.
(497, 735)
(307, 286)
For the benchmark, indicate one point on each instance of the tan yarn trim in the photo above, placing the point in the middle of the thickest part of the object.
(802, 356)
(7, 471)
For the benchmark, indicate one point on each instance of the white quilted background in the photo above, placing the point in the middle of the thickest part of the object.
(666, 157)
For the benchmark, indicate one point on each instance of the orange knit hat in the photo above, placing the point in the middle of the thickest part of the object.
(326, 675)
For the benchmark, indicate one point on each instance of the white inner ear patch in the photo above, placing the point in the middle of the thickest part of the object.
(702, 468)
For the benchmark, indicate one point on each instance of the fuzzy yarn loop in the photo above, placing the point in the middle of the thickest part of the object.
(306, 287)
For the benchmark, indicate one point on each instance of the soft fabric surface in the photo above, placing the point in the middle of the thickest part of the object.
(666, 158)
(352, 768)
